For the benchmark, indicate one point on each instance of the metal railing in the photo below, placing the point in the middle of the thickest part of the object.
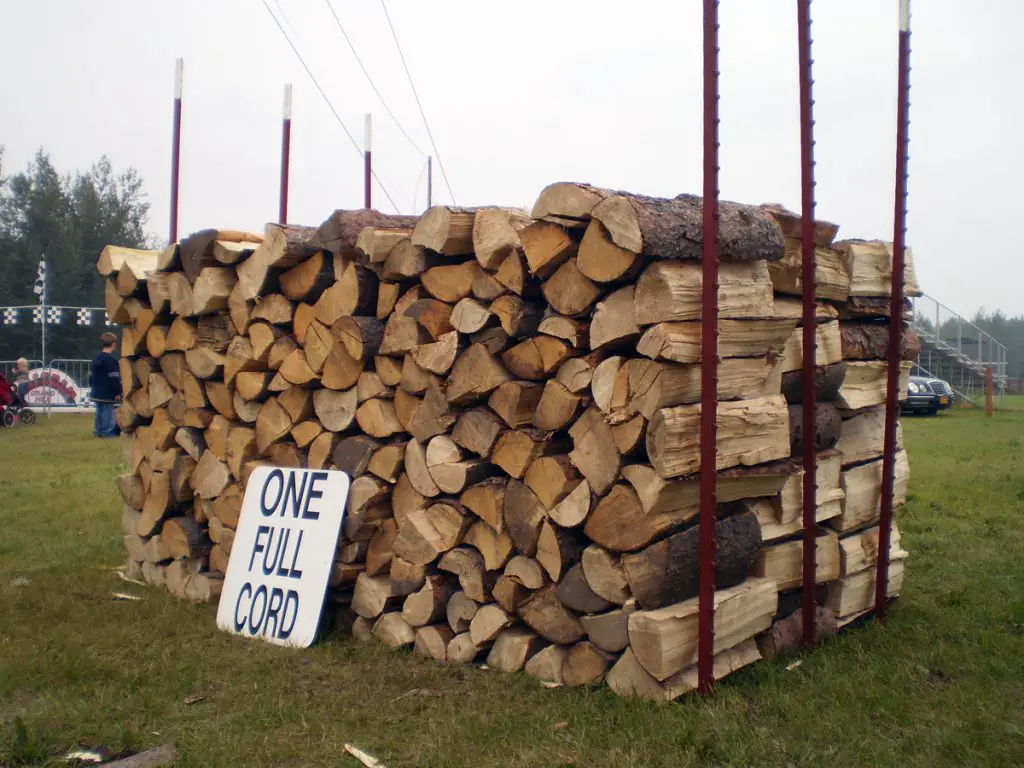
(69, 387)
(956, 350)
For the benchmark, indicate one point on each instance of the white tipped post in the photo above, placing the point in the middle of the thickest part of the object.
(179, 77)
(904, 15)
(287, 111)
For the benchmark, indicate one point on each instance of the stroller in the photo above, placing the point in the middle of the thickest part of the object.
(12, 409)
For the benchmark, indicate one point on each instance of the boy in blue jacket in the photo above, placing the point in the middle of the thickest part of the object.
(106, 387)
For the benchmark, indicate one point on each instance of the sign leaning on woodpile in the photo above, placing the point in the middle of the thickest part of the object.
(515, 398)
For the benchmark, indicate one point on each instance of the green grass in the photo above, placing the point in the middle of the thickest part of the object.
(941, 684)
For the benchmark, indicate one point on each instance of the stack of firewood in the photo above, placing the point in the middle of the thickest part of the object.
(852, 293)
(516, 399)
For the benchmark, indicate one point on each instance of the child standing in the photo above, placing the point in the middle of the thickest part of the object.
(106, 387)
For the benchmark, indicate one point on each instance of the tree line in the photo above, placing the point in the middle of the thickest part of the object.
(68, 218)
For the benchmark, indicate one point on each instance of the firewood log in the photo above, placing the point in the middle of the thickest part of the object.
(378, 554)
(496, 235)
(518, 318)
(546, 615)
(594, 452)
(158, 503)
(557, 549)
(576, 333)
(546, 246)
(664, 228)
(387, 462)
(460, 611)
(461, 649)
(429, 604)
(469, 316)
(495, 547)
(273, 308)
(432, 642)
(552, 478)
(577, 595)
(341, 370)
(869, 264)
(512, 274)
(488, 622)
(372, 595)
(609, 630)
(468, 564)
(666, 572)
(450, 282)
(827, 426)
(537, 357)
(665, 640)
(477, 430)
(670, 291)
(513, 648)
(509, 594)
(425, 535)
(184, 537)
(585, 664)
(569, 291)
(749, 432)
(516, 402)
(446, 230)
(475, 375)
(210, 477)
(486, 500)
(447, 467)
(546, 664)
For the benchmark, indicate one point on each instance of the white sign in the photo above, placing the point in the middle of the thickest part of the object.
(282, 555)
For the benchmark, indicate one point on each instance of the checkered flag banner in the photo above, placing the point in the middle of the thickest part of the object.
(84, 316)
(10, 316)
(54, 315)
(37, 315)
(106, 318)
(40, 286)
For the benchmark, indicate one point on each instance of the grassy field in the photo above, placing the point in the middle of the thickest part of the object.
(941, 684)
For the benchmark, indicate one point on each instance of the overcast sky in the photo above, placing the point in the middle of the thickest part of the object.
(522, 94)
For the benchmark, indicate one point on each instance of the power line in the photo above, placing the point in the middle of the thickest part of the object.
(370, 79)
(419, 104)
(330, 106)
(291, 27)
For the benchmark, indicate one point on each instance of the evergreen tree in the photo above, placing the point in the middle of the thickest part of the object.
(68, 219)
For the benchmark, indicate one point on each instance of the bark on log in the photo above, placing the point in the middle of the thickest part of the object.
(827, 427)
(665, 228)
(666, 572)
(870, 341)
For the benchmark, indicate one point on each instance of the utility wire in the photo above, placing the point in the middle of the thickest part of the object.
(419, 104)
(291, 27)
(370, 79)
(330, 106)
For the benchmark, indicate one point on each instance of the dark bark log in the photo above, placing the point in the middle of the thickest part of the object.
(673, 228)
(870, 341)
(667, 572)
(338, 234)
(827, 428)
(868, 307)
(829, 379)
(196, 252)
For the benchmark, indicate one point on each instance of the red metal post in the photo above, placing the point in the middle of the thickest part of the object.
(430, 181)
(286, 152)
(709, 360)
(895, 308)
(368, 163)
(179, 68)
(809, 269)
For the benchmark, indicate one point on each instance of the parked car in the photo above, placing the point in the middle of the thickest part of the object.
(927, 395)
